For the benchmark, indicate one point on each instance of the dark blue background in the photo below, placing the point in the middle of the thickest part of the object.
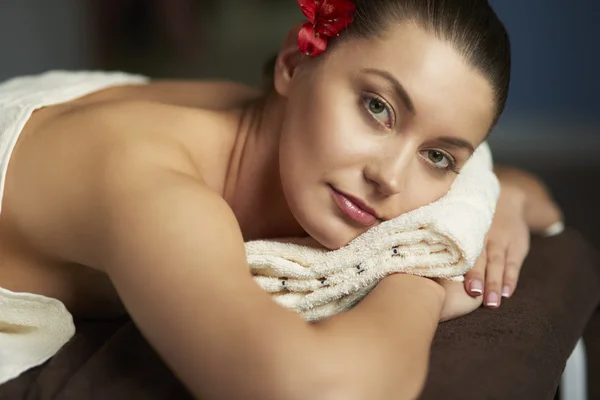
(556, 56)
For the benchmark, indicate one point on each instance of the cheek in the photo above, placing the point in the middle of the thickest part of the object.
(324, 131)
(423, 189)
(322, 141)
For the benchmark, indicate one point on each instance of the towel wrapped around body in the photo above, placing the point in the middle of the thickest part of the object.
(439, 240)
(33, 327)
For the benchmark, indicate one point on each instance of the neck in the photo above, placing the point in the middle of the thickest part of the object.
(253, 184)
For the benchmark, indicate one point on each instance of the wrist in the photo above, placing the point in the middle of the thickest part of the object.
(427, 293)
(436, 289)
(432, 288)
(423, 287)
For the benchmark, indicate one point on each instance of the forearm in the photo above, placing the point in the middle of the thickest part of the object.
(378, 350)
(384, 342)
(539, 208)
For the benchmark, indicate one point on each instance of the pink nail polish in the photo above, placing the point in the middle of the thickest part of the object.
(506, 292)
(492, 300)
(477, 287)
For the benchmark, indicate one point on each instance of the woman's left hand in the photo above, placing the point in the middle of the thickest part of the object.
(496, 272)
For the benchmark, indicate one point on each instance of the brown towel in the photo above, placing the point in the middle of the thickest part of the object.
(519, 351)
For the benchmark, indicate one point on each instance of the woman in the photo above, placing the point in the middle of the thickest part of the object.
(143, 196)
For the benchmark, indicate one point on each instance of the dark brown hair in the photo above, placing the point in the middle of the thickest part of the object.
(471, 26)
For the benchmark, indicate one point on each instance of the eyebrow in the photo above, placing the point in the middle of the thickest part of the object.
(398, 88)
(456, 143)
(403, 95)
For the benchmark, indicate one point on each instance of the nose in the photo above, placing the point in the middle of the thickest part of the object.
(388, 172)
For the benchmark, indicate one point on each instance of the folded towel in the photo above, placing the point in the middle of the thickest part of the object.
(440, 240)
(33, 328)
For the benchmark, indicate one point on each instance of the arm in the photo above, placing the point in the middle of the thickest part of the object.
(221, 334)
(174, 251)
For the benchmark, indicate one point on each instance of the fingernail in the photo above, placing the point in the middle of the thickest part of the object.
(555, 229)
(492, 300)
(506, 292)
(477, 287)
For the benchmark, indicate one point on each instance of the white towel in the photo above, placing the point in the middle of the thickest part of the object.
(440, 240)
(32, 327)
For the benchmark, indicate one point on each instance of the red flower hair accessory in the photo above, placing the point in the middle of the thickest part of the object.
(327, 19)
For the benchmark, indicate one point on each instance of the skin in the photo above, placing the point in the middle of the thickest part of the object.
(147, 208)
(382, 157)
(525, 206)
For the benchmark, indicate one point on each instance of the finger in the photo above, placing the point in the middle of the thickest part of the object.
(515, 255)
(476, 276)
(494, 274)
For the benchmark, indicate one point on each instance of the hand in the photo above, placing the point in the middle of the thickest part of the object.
(496, 272)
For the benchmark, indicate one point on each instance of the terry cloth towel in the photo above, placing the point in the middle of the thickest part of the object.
(439, 240)
(32, 327)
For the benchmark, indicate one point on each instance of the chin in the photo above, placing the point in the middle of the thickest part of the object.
(313, 211)
(325, 227)
(331, 232)
(331, 244)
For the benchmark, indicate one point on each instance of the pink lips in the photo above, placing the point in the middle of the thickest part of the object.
(354, 208)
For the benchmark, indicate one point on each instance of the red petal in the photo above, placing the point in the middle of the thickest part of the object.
(309, 9)
(334, 27)
(309, 42)
(336, 8)
(333, 16)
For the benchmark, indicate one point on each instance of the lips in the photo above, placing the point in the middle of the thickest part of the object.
(354, 209)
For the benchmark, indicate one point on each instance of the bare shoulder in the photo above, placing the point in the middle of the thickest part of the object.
(61, 171)
(123, 131)
(94, 135)
(212, 95)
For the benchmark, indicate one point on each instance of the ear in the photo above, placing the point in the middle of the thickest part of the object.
(288, 60)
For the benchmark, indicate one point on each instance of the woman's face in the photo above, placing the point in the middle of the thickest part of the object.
(377, 128)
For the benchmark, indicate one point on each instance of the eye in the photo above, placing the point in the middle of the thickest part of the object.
(440, 161)
(438, 158)
(376, 106)
(379, 110)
